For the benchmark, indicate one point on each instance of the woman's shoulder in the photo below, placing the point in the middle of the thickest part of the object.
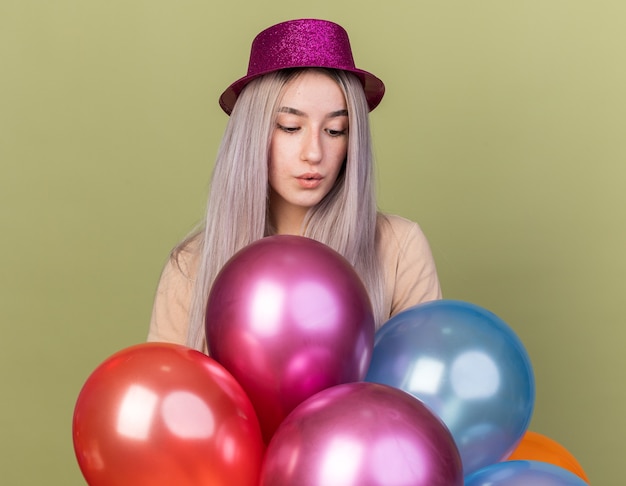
(397, 236)
(408, 263)
(395, 227)
(185, 256)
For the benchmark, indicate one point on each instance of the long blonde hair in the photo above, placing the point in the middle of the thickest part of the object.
(237, 207)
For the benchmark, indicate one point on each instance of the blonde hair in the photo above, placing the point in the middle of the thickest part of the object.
(237, 211)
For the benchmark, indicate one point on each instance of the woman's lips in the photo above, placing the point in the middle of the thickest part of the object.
(309, 181)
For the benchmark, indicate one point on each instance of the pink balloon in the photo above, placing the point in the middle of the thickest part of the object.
(288, 317)
(362, 434)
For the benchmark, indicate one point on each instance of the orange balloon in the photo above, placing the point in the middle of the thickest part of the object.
(537, 447)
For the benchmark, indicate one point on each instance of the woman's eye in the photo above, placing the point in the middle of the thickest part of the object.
(336, 133)
(287, 129)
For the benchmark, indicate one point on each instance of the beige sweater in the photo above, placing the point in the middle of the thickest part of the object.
(407, 262)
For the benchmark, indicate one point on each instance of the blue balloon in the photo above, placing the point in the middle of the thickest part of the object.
(468, 367)
(523, 473)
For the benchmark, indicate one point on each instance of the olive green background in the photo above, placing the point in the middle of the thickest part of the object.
(502, 132)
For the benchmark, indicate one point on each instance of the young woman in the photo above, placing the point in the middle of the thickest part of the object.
(296, 158)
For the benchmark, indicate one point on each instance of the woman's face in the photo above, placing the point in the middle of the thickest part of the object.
(308, 145)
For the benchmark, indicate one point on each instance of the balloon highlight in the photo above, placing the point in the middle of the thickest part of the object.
(362, 433)
(288, 317)
(468, 367)
(164, 414)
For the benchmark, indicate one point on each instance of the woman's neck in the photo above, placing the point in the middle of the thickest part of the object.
(288, 224)
(286, 219)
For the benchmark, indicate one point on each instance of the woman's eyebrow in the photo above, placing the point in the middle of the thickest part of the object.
(333, 114)
(294, 111)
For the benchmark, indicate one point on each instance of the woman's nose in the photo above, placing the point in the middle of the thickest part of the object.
(312, 148)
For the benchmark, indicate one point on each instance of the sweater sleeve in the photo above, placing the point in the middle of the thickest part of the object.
(170, 312)
(416, 278)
